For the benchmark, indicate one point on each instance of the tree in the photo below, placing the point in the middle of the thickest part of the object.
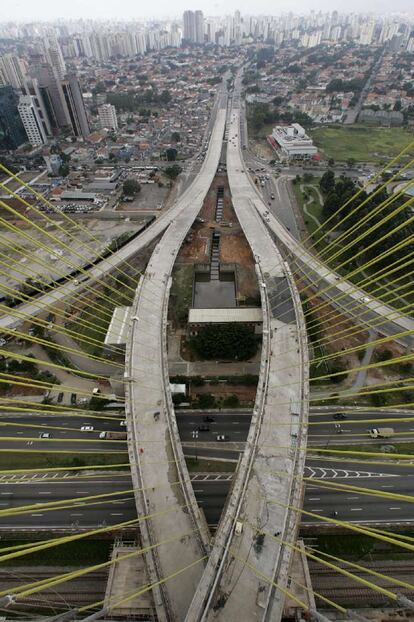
(350, 162)
(173, 171)
(64, 170)
(331, 162)
(327, 182)
(175, 137)
(225, 341)
(171, 154)
(131, 187)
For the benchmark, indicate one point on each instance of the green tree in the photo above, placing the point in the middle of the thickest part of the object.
(173, 171)
(350, 162)
(225, 341)
(171, 154)
(175, 137)
(327, 182)
(206, 400)
(131, 187)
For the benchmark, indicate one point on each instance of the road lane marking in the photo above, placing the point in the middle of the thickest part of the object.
(46, 492)
(36, 514)
(352, 498)
(77, 514)
(314, 499)
(117, 513)
(394, 508)
(356, 509)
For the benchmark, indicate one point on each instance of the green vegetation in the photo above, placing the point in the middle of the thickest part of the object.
(131, 187)
(225, 342)
(132, 102)
(213, 466)
(28, 460)
(313, 207)
(181, 295)
(83, 553)
(173, 171)
(361, 143)
(261, 116)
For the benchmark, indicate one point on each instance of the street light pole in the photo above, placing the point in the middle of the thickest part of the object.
(195, 437)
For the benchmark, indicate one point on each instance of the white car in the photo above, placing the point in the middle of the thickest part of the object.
(87, 428)
(123, 423)
(366, 299)
(45, 435)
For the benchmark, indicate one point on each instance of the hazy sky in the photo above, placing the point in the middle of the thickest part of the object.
(25, 10)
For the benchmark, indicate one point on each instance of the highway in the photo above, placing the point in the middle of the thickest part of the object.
(150, 415)
(279, 218)
(211, 490)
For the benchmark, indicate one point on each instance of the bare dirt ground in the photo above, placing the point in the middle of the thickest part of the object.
(246, 394)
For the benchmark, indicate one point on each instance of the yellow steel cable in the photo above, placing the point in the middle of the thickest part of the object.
(330, 286)
(51, 582)
(389, 251)
(373, 586)
(25, 439)
(318, 595)
(145, 588)
(40, 546)
(54, 240)
(370, 571)
(351, 526)
(37, 384)
(51, 469)
(23, 509)
(13, 312)
(61, 214)
(259, 574)
(55, 346)
(54, 409)
(58, 226)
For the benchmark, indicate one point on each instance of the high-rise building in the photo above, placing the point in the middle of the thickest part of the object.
(199, 27)
(107, 116)
(76, 107)
(31, 121)
(31, 87)
(193, 26)
(189, 26)
(54, 56)
(52, 95)
(12, 133)
(12, 71)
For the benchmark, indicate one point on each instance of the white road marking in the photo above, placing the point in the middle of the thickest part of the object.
(76, 514)
(117, 513)
(46, 492)
(352, 498)
(36, 514)
(356, 509)
(314, 499)
(394, 508)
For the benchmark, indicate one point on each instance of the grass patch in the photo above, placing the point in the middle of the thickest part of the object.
(15, 460)
(358, 547)
(361, 142)
(213, 466)
(82, 553)
(181, 295)
(401, 447)
(314, 208)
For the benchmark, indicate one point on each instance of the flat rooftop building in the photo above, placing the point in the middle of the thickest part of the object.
(293, 141)
(118, 328)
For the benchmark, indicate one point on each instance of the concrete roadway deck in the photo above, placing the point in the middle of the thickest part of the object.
(229, 586)
(154, 438)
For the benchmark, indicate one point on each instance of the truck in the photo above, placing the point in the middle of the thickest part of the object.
(381, 432)
(113, 436)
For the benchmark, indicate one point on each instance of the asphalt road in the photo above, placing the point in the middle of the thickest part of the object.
(211, 490)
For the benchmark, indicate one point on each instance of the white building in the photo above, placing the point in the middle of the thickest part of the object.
(293, 141)
(107, 116)
(31, 121)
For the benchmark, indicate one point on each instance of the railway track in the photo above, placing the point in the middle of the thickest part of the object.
(346, 591)
(84, 590)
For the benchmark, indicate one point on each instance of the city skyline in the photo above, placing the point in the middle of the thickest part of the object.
(49, 11)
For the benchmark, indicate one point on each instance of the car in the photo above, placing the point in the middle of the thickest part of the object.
(60, 397)
(366, 299)
(73, 399)
(45, 435)
(222, 437)
(209, 419)
(203, 428)
(272, 196)
(123, 423)
(86, 428)
(339, 416)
